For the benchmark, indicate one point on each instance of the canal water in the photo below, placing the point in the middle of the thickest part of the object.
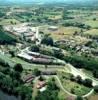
(4, 96)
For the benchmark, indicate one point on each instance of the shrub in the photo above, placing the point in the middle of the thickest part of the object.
(96, 88)
(18, 68)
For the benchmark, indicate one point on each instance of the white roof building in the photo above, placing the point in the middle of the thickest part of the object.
(26, 56)
(42, 89)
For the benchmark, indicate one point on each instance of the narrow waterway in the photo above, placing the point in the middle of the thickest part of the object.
(4, 96)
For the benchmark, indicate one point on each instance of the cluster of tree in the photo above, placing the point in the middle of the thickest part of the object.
(78, 61)
(94, 19)
(14, 87)
(36, 72)
(11, 83)
(63, 46)
(51, 93)
(83, 62)
(79, 98)
(21, 14)
(4, 42)
(96, 88)
(47, 40)
(35, 48)
(27, 17)
(6, 84)
(58, 54)
(25, 92)
(13, 23)
(12, 53)
(92, 44)
(18, 67)
(78, 79)
(65, 14)
(42, 50)
(50, 52)
(42, 19)
(5, 38)
(3, 63)
(2, 14)
(76, 24)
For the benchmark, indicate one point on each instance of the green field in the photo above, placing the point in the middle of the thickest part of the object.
(61, 32)
(72, 86)
(9, 21)
(93, 24)
(4, 36)
(92, 32)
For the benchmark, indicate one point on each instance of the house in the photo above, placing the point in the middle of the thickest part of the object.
(28, 78)
(25, 57)
(42, 89)
(35, 57)
(35, 54)
(41, 84)
(42, 60)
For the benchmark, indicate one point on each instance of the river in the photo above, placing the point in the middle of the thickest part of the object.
(4, 96)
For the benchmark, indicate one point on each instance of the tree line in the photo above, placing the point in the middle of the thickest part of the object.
(11, 82)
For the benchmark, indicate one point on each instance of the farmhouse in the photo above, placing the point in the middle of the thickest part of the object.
(39, 55)
(34, 57)
(28, 78)
(41, 84)
(25, 56)
(42, 89)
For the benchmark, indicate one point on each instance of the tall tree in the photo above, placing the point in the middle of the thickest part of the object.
(18, 67)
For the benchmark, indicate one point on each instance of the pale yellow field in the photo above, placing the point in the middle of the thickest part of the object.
(94, 97)
(55, 17)
(61, 33)
(92, 23)
(8, 21)
(92, 32)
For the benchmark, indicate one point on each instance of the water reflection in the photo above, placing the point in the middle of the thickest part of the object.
(4, 96)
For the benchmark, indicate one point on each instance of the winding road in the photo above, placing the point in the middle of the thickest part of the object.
(60, 84)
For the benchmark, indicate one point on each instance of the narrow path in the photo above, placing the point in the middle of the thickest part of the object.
(63, 87)
(91, 92)
(86, 95)
(35, 88)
